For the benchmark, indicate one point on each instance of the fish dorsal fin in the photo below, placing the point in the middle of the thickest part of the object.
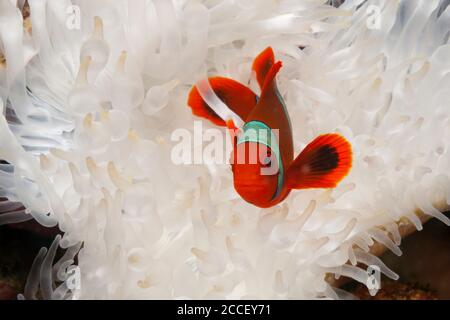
(262, 65)
(237, 97)
(270, 77)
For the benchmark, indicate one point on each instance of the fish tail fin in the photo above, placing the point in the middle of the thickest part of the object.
(262, 65)
(322, 164)
(239, 98)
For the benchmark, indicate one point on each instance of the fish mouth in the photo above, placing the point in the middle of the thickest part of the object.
(253, 186)
(261, 190)
(259, 195)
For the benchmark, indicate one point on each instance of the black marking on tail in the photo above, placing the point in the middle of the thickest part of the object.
(325, 159)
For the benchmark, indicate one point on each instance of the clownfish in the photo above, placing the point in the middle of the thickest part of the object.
(267, 135)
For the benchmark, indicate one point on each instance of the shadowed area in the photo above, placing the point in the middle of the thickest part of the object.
(426, 259)
(19, 245)
(424, 267)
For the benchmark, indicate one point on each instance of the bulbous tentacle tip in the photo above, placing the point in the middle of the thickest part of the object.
(120, 67)
(199, 254)
(171, 84)
(132, 135)
(87, 122)
(2, 61)
(91, 164)
(98, 28)
(83, 71)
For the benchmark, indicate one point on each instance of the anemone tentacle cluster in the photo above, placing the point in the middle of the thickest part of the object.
(91, 92)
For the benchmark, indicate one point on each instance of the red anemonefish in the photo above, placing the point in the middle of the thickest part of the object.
(267, 135)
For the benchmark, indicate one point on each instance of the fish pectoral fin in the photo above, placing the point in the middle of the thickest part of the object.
(239, 98)
(322, 164)
(234, 131)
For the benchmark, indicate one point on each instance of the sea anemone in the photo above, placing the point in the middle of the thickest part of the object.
(92, 91)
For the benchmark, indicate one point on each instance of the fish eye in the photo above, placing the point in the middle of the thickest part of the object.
(267, 161)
